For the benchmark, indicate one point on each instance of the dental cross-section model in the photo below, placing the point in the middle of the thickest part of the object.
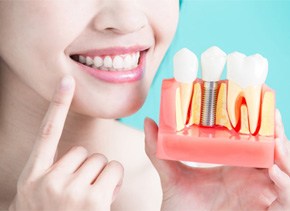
(228, 122)
(185, 71)
(246, 76)
(213, 61)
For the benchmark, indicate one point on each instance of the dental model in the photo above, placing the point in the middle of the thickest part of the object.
(185, 72)
(232, 124)
(246, 76)
(213, 61)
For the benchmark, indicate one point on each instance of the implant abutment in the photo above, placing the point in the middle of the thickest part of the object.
(209, 102)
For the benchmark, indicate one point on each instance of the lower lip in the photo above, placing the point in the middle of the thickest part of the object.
(118, 76)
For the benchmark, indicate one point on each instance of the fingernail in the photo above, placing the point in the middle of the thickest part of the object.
(66, 83)
(147, 119)
(145, 123)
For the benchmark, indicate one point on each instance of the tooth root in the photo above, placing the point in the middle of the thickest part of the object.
(253, 98)
(234, 102)
(244, 120)
(195, 105)
(267, 114)
(179, 119)
(185, 98)
(222, 117)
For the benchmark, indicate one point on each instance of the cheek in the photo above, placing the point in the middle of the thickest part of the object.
(35, 37)
(163, 22)
(164, 19)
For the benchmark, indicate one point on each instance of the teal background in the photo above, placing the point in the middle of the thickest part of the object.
(246, 26)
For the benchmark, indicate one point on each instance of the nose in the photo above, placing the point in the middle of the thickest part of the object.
(120, 17)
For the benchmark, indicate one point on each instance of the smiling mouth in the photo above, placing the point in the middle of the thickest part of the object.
(127, 66)
(112, 63)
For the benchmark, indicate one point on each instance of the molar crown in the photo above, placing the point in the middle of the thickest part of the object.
(246, 76)
(247, 71)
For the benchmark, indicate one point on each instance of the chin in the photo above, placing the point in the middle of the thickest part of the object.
(111, 108)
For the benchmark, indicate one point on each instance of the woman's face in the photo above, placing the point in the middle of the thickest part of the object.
(111, 47)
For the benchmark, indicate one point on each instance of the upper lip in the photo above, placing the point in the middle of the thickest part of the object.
(111, 51)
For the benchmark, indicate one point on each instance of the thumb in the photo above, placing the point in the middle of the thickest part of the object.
(166, 169)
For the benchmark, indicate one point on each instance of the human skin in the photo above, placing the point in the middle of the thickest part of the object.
(75, 182)
(37, 39)
(48, 32)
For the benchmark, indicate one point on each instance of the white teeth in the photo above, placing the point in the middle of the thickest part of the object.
(134, 60)
(82, 59)
(247, 71)
(213, 61)
(89, 61)
(246, 76)
(128, 61)
(98, 61)
(133, 57)
(108, 62)
(185, 66)
(185, 72)
(112, 63)
(118, 62)
(137, 56)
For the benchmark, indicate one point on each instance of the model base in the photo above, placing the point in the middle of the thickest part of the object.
(216, 145)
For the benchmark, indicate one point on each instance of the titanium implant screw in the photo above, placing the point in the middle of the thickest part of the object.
(209, 101)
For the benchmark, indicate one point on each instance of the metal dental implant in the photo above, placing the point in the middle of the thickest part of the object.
(209, 98)
(212, 63)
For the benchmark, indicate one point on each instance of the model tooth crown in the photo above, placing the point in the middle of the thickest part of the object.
(212, 62)
(247, 71)
(246, 76)
(185, 66)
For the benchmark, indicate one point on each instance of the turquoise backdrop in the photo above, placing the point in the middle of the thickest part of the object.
(233, 25)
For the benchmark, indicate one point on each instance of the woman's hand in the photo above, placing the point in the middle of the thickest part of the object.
(76, 181)
(223, 188)
(280, 172)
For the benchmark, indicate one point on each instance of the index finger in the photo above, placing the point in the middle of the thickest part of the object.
(279, 127)
(282, 145)
(46, 143)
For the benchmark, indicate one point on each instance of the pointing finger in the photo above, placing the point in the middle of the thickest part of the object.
(45, 147)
